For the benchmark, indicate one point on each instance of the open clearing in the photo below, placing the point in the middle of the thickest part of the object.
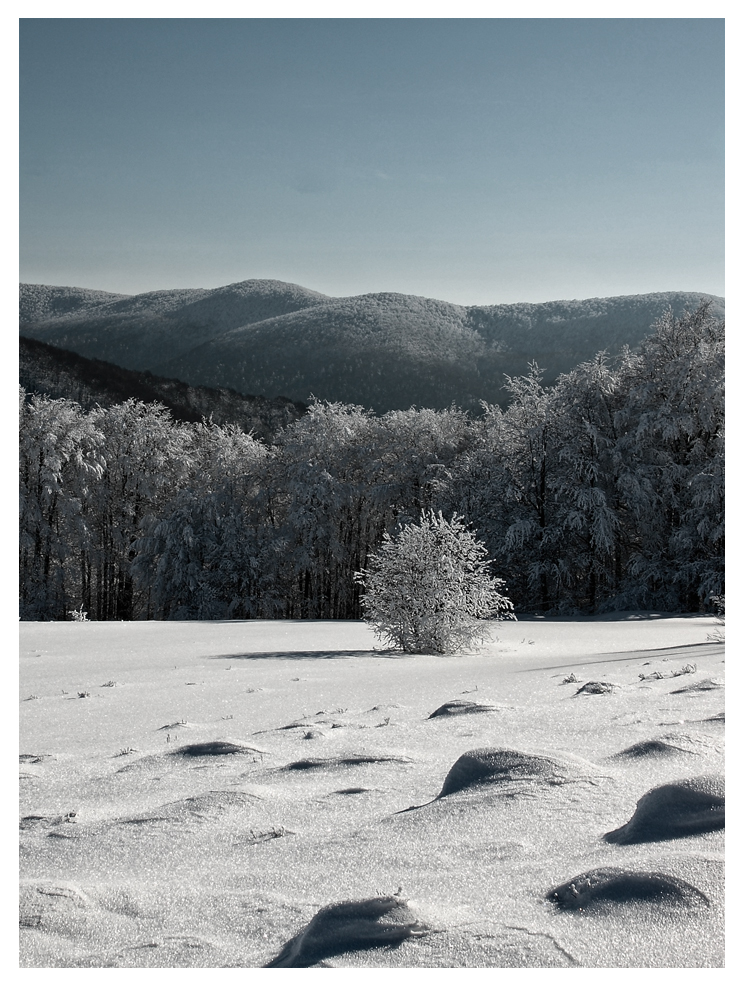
(193, 794)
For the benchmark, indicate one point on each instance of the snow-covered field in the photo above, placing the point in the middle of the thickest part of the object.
(138, 853)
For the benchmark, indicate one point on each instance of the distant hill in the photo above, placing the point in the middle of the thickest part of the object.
(42, 301)
(382, 350)
(58, 373)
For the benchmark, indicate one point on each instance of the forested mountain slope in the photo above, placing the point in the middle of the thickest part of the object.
(383, 351)
(42, 301)
(604, 491)
(57, 373)
(141, 332)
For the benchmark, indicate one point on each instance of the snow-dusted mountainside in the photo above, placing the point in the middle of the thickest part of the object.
(58, 373)
(382, 350)
(42, 301)
(142, 332)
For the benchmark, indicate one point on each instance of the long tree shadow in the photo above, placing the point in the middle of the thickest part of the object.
(703, 649)
(301, 655)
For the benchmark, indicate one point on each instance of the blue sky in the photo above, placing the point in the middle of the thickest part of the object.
(472, 160)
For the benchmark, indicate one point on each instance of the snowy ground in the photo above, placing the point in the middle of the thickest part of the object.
(134, 855)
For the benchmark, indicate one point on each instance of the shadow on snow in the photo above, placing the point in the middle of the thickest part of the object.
(702, 649)
(300, 655)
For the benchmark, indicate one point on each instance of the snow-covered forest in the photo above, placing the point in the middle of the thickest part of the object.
(604, 491)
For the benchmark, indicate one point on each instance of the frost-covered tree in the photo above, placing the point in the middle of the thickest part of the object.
(340, 478)
(206, 553)
(60, 462)
(590, 513)
(671, 450)
(533, 543)
(146, 460)
(428, 588)
(326, 498)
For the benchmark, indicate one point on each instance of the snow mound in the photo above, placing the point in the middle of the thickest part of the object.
(615, 885)
(682, 808)
(495, 765)
(351, 925)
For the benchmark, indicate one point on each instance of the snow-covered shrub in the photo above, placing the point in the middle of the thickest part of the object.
(428, 588)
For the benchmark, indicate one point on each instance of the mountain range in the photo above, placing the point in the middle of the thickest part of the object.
(382, 350)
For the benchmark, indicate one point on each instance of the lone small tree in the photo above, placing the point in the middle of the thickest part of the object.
(428, 588)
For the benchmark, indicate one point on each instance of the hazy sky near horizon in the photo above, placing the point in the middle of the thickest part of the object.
(472, 160)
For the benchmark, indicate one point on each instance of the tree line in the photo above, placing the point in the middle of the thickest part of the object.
(603, 491)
